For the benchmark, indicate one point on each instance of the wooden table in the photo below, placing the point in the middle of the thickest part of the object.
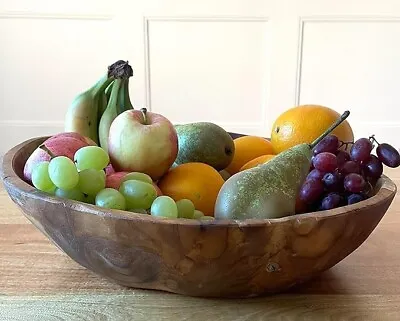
(38, 282)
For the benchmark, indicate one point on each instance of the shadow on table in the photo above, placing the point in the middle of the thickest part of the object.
(328, 282)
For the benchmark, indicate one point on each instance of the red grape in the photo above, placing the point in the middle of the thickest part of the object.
(315, 174)
(361, 150)
(325, 162)
(332, 181)
(301, 207)
(354, 198)
(368, 188)
(354, 183)
(330, 201)
(311, 191)
(388, 155)
(312, 162)
(350, 167)
(342, 157)
(329, 144)
(373, 167)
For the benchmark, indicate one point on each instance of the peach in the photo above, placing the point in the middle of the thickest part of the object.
(62, 144)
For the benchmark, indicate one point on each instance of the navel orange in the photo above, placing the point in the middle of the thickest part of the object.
(303, 124)
(197, 182)
(246, 149)
(257, 161)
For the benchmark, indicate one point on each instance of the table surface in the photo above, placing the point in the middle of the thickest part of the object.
(39, 282)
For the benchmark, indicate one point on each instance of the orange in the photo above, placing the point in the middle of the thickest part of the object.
(303, 124)
(246, 149)
(257, 161)
(197, 182)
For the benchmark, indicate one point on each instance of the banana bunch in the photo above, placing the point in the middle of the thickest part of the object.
(92, 111)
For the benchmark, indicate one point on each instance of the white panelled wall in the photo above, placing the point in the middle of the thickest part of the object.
(238, 63)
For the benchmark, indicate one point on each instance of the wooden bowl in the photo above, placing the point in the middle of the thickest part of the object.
(198, 258)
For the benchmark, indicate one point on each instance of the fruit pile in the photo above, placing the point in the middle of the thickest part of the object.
(338, 177)
(84, 179)
(121, 158)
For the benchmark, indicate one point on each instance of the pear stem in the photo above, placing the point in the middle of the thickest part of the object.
(48, 151)
(330, 129)
(144, 113)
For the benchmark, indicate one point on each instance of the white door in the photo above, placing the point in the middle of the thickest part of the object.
(238, 63)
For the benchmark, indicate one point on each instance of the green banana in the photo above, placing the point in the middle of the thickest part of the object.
(107, 92)
(103, 101)
(82, 114)
(124, 101)
(109, 114)
(85, 111)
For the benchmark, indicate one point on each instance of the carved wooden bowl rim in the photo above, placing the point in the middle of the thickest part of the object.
(387, 188)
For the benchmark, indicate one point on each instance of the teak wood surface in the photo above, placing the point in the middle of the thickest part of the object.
(39, 282)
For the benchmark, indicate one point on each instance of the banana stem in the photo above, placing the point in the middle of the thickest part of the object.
(119, 69)
(144, 113)
(48, 151)
(330, 129)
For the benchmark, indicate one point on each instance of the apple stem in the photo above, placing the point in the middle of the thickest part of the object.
(144, 113)
(48, 151)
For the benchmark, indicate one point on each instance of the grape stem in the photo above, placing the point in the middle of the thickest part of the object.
(372, 137)
(331, 128)
(342, 143)
(48, 151)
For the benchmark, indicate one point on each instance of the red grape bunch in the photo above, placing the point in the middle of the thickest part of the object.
(338, 177)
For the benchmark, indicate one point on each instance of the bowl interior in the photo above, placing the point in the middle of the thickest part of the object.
(14, 160)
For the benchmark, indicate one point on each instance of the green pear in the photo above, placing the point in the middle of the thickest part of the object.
(268, 190)
(204, 142)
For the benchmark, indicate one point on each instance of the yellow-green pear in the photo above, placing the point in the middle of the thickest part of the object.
(268, 190)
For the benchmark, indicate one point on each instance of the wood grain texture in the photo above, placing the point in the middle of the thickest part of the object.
(170, 307)
(39, 282)
(221, 258)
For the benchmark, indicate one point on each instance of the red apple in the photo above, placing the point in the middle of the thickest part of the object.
(109, 169)
(141, 141)
(63, 144)
(159, 192)
(114, 179)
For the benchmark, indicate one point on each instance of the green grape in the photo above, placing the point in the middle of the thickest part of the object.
(207, 218)
(164, 206)
(110, 198)
(102, 172)
(63, 173)
(138, 210)
(91, 157)
(138, 194)
(185, 208)
(91, 181)
(89, 199)
(198, 214)
(72, 194)
(40, 177)
(138, 176)
(51, 190)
